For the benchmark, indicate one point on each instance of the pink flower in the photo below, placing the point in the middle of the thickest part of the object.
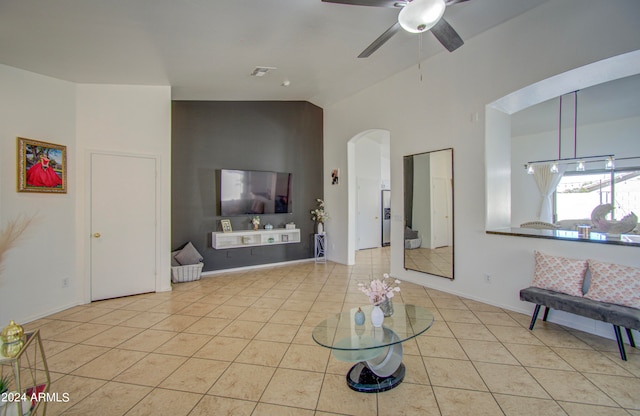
(378, 290)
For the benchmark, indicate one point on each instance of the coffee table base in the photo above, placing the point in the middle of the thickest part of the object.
(360, 378)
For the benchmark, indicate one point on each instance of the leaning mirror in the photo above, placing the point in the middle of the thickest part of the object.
(428, 212)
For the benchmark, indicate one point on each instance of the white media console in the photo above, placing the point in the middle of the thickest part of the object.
(237, 239)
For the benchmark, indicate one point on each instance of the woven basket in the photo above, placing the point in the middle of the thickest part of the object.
(187, 273)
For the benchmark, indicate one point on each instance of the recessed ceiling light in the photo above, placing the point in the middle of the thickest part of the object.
(260, 71)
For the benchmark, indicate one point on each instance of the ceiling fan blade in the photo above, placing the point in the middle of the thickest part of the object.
(373, 3)
(380, 41)
(452, 2)
(447, 35)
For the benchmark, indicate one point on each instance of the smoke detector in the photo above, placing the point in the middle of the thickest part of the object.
(260, 71)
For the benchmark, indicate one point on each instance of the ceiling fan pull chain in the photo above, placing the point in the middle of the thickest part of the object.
(420, 56)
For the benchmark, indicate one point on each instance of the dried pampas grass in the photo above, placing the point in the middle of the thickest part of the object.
(10, 234)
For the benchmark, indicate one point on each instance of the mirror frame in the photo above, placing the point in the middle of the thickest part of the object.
(408, 194)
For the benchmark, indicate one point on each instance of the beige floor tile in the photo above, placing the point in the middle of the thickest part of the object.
(591, 361)
(111, 399)
(415, 399)
(110, 364)
(240, 300)
(177, 323)
(145, 320)
(266, 409)
(268, 303)
(242, 329)
(624, 390)
(293, 388)
(459, 315)
(171, 306)
(277, 332)
(197, 309)
(337, 397)
(514, 335)
(222, 406)
(256, 314)
(165, 402)
(570, 386)
(537, 356)
(151, 370)
(527, 406)
(79, 333)
(470, 331)
(195, 375)
(554, 338)
(113, 336)
(86, 314)
(222, 348)
(510, 379)
(303, 336)
(440, 347)
(453, 373)
(454, 402)
(208, 326)
(72, 387)
(263, 353)
(415, 371)
(579, 409)
(74, 357)
(306, 357)
(496, 318)
(487, 351)
(287, 317)
(148, 340)
(243, 381)
(183, 344)
(143, 304)
(51, 348)
(440, 329)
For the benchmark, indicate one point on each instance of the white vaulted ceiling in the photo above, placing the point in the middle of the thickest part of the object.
(206, 49)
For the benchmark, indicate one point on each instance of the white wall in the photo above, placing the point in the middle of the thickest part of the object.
(128, 119)
(39, 108)
(439, 112)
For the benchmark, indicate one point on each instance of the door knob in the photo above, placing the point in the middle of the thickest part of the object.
(96, 235)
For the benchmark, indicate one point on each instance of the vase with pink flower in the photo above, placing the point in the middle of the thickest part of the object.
(380, 293)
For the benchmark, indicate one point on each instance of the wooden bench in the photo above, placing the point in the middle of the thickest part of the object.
(617, 315)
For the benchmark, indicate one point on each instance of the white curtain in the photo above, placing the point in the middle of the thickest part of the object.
(547, 183)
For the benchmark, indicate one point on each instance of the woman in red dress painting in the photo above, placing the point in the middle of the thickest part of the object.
(41, 174)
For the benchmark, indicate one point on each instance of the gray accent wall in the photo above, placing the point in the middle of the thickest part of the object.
(280, 136)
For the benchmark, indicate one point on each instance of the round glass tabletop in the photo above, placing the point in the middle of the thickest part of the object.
(351, 342)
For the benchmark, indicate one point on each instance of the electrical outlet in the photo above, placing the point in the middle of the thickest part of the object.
(487, 278)
(65, 282)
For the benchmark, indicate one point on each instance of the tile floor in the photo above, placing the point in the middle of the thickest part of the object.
(240, 344)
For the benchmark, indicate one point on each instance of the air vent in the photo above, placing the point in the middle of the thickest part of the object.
(260, 71)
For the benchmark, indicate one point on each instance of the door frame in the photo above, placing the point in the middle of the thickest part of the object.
(86, 240)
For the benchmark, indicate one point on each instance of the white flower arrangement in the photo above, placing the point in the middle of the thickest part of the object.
(380, 290)
(255, 220)
(319, 214)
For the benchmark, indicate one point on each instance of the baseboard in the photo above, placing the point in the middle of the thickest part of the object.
(257, 266)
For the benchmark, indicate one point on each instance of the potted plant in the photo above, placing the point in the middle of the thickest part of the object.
(4, 384)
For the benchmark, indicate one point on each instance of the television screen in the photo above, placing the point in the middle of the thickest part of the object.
(250, 192)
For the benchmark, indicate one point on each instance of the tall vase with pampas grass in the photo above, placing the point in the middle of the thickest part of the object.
(10, 235)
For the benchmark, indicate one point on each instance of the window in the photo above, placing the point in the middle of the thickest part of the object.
(578, 193)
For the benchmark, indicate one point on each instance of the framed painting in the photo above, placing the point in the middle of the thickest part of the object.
(226, 226)
(42, 167)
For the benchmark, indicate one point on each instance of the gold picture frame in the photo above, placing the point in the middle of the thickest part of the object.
(226, 226)
(42, 166)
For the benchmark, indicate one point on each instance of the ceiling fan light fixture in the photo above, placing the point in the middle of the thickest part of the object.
(421, 15)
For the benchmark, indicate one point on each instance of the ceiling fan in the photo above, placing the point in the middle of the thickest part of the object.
(415, 16)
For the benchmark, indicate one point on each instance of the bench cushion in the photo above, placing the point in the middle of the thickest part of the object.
(619, 315)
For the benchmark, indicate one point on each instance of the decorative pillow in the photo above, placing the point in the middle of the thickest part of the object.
(174, 262)
(613, 283)
(189, 255)
(559, 274)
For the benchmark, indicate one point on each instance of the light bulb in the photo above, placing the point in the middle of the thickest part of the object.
(421, 15)
(609, 165)
(580, 167)
(530, 170)
(554, 168)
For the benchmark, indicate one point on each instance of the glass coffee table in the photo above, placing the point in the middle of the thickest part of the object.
(377, 351)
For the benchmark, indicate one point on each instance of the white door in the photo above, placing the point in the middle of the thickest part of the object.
(368, 213)
(123, 225)
(441, 213)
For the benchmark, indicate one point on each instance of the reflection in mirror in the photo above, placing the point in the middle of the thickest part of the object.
(428, 212)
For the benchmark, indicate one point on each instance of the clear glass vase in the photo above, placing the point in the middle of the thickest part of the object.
(387, 307)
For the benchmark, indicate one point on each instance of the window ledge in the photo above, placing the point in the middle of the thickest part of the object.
(632, 240)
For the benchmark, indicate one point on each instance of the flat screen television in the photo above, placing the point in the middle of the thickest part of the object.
(251, 192)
